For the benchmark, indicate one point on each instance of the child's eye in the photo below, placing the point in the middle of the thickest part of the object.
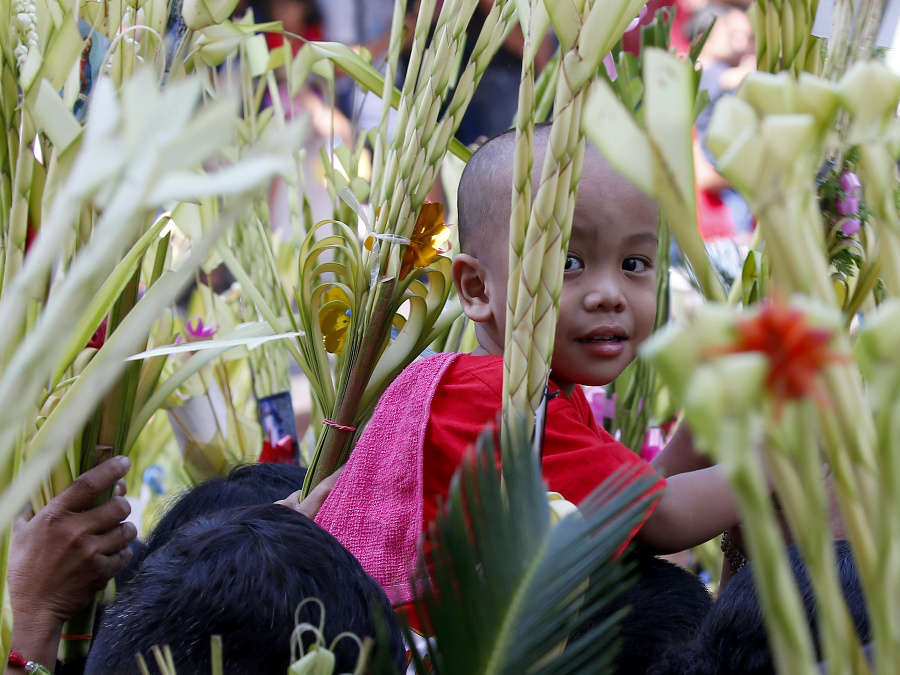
(573, 263)
(635, 264)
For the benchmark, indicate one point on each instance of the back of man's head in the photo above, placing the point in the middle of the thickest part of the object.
(666, 605)
(245, 485)
(733, 637)
(241, 574)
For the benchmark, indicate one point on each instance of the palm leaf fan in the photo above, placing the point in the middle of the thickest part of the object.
(508, 584)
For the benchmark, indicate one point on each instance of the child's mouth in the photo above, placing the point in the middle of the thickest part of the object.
(603, 338)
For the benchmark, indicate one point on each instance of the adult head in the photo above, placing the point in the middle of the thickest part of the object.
(733, 638)
(245, 485)
(241, 574)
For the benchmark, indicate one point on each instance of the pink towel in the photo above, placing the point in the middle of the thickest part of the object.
(375, 508)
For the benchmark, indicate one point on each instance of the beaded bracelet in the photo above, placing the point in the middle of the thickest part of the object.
(16, 660)
(732, 553)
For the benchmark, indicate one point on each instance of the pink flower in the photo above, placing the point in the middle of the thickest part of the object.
(850, 182)
(848, 206)
(197, 330)
(850, 226)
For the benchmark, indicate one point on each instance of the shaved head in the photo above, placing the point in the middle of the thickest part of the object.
(485, 189)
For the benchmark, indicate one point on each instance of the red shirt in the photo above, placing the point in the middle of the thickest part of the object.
(578, 453)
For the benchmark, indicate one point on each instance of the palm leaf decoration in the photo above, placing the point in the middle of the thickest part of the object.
(509, 585)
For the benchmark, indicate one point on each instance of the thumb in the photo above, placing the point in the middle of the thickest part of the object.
(23, 518)
(310, 506)
(91, 485)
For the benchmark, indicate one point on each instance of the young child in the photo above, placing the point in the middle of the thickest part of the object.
(434, 411)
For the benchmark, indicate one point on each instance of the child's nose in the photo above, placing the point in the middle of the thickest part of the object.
(605, 295)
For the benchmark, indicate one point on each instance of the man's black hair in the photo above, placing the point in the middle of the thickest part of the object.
(241, 574)
(666, 605)
(245, 485)
(733, 636)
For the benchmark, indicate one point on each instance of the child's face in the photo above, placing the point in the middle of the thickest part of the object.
(608, 301)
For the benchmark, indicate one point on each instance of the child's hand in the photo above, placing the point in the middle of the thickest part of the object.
(310, 506)
(69, 551)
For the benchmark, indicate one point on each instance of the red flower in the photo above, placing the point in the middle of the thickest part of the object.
(99, 336)
(796, 352)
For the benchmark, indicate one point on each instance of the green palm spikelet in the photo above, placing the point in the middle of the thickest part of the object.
(404, 169)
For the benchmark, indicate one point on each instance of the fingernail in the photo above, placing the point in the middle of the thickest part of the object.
(124, 462)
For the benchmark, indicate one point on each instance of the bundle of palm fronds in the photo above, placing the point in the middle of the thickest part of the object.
(815, 160)
(96, 155)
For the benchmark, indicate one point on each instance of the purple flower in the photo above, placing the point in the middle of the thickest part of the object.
(636, 21)
(850, 182)
(850, 226)
(198, 331)
(848, 206)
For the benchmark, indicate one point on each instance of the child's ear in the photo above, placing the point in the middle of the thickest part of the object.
(470, 277)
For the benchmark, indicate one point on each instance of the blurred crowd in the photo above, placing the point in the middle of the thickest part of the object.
(335, 112)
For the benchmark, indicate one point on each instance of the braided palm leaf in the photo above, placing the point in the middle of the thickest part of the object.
(537, 255)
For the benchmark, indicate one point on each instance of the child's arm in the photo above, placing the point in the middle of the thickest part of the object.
(695, 507)
(680, 455)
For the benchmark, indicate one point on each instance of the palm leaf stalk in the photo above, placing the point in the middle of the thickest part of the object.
(253, 239)
(793, 453)
(636, 388)
(537, 255)
(119, 189)
(62, 182)
(522, 169)
(701, 363)
(268, 362)
(380, 285)
(783, 125)
(502, 598)
(788, 215)
(782, 29)
(853, 35)
(101, 439)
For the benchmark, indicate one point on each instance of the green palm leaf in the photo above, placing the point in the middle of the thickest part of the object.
(508, 585)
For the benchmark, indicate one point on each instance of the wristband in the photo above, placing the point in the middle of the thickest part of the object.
(16, 660)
